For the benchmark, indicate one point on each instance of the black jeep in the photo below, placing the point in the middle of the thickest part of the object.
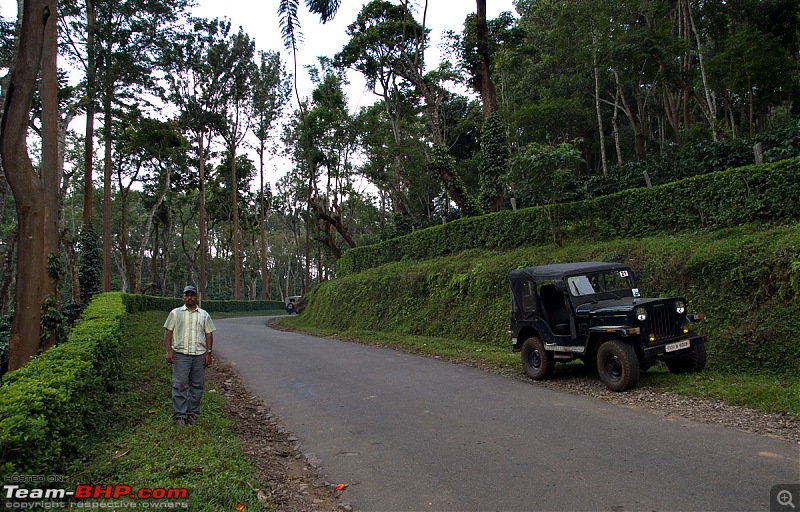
(593, 311)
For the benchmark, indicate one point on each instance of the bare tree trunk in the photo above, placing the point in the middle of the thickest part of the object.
(203, 229)
(106, 286)
(8, 274)
(136, 284)
(710, 107)
(91, 73)
(596, 69)
(237, 255)
(27, 187)
(488, 93)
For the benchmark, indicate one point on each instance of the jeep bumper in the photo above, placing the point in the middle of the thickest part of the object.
(673, 346)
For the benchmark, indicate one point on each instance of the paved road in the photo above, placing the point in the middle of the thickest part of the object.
(416, 433)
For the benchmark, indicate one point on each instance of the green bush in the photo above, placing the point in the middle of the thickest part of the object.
(767, 193)
(50, 407)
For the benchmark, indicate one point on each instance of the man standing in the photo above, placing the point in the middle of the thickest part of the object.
(189, 339)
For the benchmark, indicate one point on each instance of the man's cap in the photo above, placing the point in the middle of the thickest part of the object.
(190, 288)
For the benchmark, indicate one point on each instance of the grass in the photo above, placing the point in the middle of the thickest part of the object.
(144, 448)
(773, 394)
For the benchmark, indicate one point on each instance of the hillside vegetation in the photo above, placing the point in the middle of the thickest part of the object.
(743, 278)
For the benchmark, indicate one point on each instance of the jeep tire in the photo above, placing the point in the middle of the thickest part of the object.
(617, 365)
(693, 361)
(289, 308)
(536, 361)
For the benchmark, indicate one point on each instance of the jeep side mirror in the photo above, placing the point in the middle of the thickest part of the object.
(561, 286)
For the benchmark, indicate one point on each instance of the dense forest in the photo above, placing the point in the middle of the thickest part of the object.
(571, 99)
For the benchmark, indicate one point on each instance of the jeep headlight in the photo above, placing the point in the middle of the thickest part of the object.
(641, 314)
(680, 307)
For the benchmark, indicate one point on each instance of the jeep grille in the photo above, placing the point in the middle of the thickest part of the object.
(661, 323)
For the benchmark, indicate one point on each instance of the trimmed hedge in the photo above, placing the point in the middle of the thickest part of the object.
(136, 303)
(763, 193)
(50, 407)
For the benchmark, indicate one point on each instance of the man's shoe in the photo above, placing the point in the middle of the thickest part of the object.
(191, 420)
(180, 422)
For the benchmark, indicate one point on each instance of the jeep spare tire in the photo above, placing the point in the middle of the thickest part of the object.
(536, 361)
(289, 308)
(617, 365)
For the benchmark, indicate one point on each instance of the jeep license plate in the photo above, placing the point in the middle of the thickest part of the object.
(678, 345)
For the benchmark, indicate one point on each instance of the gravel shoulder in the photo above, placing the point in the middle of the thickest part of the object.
(293, 483)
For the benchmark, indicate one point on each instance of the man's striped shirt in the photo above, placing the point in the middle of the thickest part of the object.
(189, 330)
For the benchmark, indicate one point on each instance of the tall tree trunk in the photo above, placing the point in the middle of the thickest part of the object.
(26, 185)
(488, 93)
(136, 283)
(106, 286)
(237, 256)
(262, 233)
(91, 74)
(601, 135)
(203, 230)
(8, 275)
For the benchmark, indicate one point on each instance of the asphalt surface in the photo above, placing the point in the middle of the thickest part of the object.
(415, 433)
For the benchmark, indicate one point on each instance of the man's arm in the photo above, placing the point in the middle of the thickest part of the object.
(168, 346)
(209, 347)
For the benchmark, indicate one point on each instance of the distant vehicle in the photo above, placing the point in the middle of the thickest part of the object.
(294, 304)
(593, 311)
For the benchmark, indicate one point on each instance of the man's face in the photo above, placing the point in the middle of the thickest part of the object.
(190, 299)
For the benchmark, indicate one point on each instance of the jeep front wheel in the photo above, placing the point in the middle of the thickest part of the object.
(617, 365)
(536, 361)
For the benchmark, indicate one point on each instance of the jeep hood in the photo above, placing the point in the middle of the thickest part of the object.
(616, 307)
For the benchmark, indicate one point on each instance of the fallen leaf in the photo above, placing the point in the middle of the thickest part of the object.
(120, 454)
(152, 411)
(341, 487)
(239, 506)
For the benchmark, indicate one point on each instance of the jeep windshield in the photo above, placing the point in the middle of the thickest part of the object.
(617, 283)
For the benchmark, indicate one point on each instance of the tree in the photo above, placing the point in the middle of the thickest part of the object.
(35, 50)
(196, 78)
(237, 57)
(270, 92)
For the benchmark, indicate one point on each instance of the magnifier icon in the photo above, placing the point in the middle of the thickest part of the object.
(785, 498)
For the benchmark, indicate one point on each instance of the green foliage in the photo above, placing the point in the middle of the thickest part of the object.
(768, 193)
(543, 174)
(494, 161)
(51, 407)
(137, 303)
(90, 264)
(739, 277)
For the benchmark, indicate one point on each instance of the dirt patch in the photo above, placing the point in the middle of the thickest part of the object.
(292, 483)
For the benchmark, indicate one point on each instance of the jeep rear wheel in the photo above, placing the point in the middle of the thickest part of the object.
(694, 361)
(617, 365)
(536, 361)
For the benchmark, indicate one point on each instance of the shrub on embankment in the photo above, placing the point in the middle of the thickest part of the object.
(763, 193)
(743, 278)
(51, 407)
